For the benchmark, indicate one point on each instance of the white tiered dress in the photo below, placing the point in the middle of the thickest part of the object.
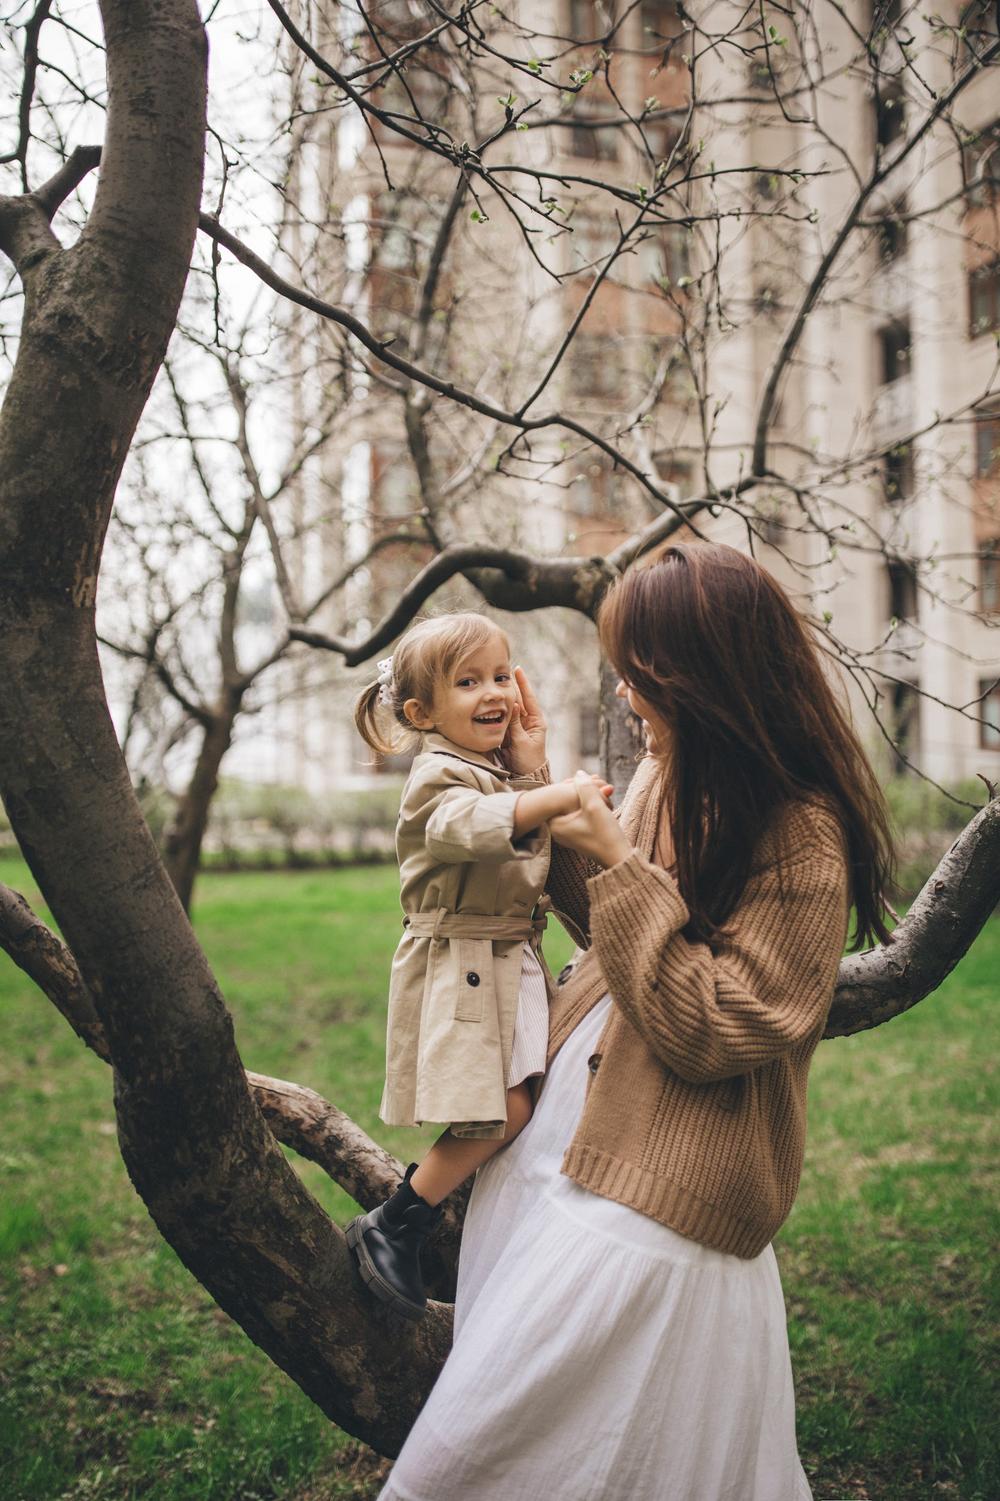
(599, 1356)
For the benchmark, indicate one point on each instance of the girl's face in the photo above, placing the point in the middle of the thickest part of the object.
(659, 735)
(474, 708)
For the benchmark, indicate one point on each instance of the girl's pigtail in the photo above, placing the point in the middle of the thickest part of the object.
(367, 722)
(366, 718)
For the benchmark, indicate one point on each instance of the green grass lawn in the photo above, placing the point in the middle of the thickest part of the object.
(120, 1379)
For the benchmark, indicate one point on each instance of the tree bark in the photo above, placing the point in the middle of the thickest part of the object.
(939, 928)
(621, 734)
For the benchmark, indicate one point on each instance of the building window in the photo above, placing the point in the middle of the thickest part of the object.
(665, 256)
(894, 349)
(415, 92)
(661, 137)
(905, 728)
(660, 21)
(589, 22)
(394, 489)
(767, 185)
(897, 474)
(902, 589)
(594, 364)
(892, 234)
(987, 445)
(598, 491)
(989, 714)
(596, 142)
(397, 20)
(989, 577)
(890, 113)
(592, 237)
(984, 299)
(676, 472)
(771, 522)
(981, 165)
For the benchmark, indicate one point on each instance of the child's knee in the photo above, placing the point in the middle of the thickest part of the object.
(519, 1109)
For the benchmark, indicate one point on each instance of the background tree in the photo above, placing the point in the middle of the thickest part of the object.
(97, 316)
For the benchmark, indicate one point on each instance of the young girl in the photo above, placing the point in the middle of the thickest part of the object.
(468, 999)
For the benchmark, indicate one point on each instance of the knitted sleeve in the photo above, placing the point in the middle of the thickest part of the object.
(713, 1012)
(569, 872)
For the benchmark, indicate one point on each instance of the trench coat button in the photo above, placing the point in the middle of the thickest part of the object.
(564, 974)
(594, 1062)
(472, 978)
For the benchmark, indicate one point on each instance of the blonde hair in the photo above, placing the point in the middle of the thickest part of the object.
(423, 660)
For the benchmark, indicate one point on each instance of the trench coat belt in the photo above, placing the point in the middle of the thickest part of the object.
(441, 923)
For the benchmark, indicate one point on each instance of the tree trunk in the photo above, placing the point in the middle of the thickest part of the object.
(621, 734)
(182, 846)
(96, 325)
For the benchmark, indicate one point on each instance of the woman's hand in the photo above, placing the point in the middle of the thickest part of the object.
(593, 829)
(523, 748)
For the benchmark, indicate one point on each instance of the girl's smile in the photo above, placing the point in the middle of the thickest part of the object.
(475, 707)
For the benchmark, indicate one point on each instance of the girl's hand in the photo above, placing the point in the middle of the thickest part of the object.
(571, 796)
(592, 829)
(523, 748)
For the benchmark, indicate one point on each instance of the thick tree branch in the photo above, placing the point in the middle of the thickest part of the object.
(575, 583)
(938, 929)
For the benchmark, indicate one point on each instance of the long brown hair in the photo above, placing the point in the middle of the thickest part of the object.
(713, 643)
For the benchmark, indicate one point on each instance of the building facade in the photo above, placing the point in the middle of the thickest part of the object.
(881, 506)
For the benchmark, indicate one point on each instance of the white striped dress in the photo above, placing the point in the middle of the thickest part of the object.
(531, 1025)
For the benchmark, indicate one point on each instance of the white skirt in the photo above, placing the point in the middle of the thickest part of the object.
(599, 1356)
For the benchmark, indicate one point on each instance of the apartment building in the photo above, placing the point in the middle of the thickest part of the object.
(885, 445)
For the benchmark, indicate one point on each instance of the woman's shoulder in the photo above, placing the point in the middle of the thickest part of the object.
(805, 830)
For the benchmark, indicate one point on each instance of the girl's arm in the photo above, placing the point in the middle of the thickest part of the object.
(537, 805)
(460, 822)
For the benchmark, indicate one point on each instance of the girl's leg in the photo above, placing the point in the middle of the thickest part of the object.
(452, 1159)
(386, 1243)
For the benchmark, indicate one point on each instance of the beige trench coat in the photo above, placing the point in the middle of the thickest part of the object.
(453, 998)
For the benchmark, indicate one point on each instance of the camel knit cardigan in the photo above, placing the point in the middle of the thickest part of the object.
(696, 1104)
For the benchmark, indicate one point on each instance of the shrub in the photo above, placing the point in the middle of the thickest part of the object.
(926, 821)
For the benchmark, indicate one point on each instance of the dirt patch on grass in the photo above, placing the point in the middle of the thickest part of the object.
(358, 1474)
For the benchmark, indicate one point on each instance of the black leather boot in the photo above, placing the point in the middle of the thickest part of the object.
(386, 1243)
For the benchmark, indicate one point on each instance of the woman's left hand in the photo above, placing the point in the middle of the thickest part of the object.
(593, 829)
(523, 749)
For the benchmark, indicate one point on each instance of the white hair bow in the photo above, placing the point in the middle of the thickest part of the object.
(385, 683)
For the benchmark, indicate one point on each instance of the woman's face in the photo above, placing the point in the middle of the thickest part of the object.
(659, 735)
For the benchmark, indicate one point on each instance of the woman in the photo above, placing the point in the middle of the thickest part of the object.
(620, 1331)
